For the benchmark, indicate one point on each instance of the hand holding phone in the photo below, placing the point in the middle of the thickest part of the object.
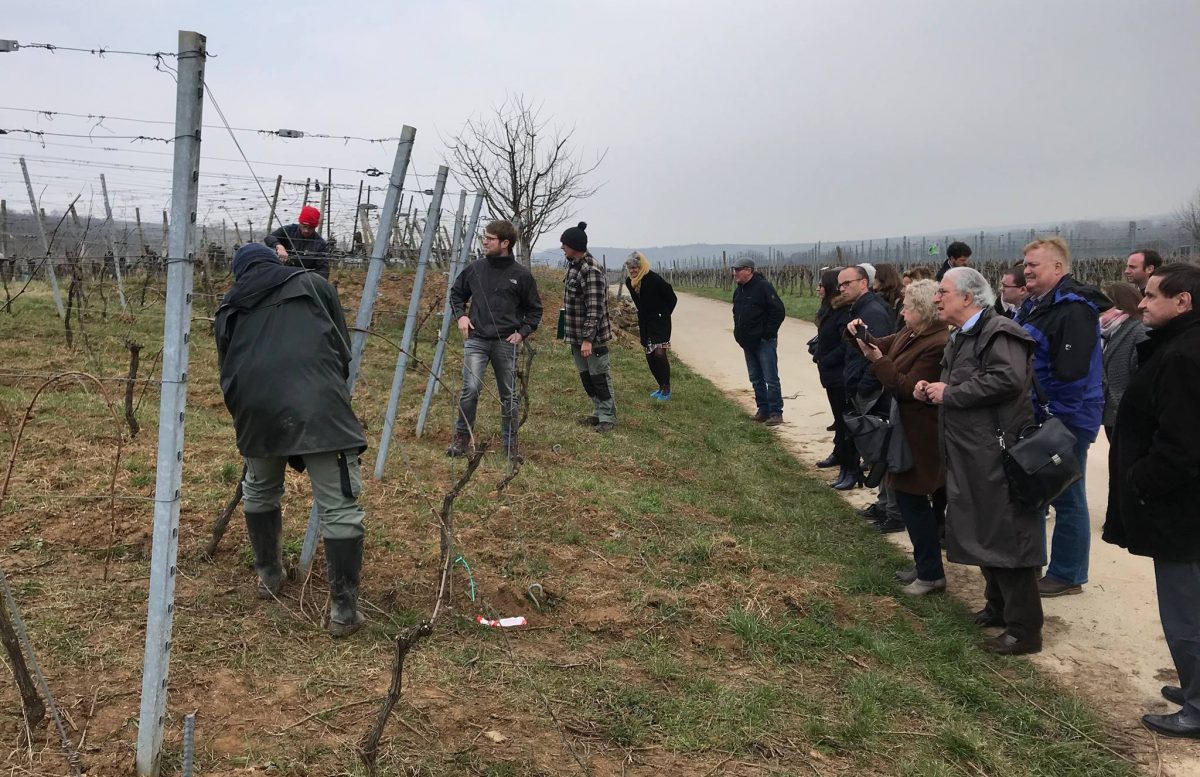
(861, 332)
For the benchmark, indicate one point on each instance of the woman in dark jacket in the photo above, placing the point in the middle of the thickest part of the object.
(829, 356)
(889, 285)
(986, 376)
(900, 361)
(1121, 329)
(655, 301)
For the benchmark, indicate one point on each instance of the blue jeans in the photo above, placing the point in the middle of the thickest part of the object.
(762, 363)
(1071, 545)
(477, 352)
(921, 522)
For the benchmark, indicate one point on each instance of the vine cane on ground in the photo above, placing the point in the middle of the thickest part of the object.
(407, 639)
(82, 377)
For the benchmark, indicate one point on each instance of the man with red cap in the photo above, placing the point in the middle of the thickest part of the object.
(300, 244)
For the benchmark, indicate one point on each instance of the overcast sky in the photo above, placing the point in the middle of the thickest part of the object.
(764, 122)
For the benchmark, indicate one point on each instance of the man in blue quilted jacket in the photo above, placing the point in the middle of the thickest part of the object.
(1063, 317)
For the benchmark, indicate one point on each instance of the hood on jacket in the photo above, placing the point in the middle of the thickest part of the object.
(257, 271)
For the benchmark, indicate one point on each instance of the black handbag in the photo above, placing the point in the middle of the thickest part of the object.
(1042, 463)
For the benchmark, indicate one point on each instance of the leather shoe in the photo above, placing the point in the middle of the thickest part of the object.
(1177, 724)
(872, 512)
(1048, 588)
(1173, 694)
(988, 619)
(831, 428)
(1008, 645)
(888, 525)
(827, 462)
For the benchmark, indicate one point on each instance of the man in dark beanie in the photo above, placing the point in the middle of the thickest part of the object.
(284, 355)
(301, 244)
(586, 327)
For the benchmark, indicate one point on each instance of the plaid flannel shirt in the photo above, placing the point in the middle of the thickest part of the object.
(585, 299)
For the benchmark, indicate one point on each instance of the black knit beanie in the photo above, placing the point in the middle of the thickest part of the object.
(575, 237)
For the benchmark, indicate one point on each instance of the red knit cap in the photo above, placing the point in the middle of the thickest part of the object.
(310, 216)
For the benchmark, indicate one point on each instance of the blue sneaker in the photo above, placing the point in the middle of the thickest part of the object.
(662, 396)
(656, 394)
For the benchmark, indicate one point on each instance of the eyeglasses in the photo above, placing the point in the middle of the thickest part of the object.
(1010, 286)
(844, 284)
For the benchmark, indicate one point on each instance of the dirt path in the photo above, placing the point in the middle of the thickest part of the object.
(1106, 644)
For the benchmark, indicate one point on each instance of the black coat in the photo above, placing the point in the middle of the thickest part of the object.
(284, 357)
(655, 302)
(831, 352)
(1154, 459)
(881, 322)
(757, 312)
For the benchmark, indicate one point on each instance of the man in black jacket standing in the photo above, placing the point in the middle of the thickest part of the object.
(300, 244)
(757, 315)
(505, 310)
(284, 356)
(864, 392)
(1154, 478)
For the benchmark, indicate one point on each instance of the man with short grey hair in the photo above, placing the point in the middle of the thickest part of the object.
(757, 315)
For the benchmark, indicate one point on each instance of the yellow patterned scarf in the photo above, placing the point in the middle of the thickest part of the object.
(636, 276)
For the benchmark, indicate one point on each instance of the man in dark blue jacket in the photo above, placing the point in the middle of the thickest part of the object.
(1063, 317)
(757, 315)
(505, 309)
(1154, 478)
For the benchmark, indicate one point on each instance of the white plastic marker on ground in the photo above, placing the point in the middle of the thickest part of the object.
(503, 623)
(1106, 644)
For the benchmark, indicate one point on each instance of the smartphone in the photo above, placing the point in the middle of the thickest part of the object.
(861, 332)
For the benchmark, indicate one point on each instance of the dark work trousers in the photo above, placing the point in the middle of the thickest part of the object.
(1013, 595)
(921, 523)
(844, 452)
(1178, 585)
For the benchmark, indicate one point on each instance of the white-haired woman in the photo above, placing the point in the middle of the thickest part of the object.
(901, 361)
(984, 389)
(655, 301)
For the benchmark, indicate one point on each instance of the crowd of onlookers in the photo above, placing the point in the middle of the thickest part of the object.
(961, 371)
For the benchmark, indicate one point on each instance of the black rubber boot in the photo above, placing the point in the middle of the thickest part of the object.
(343, 563)
(266, 538)
(459, 446)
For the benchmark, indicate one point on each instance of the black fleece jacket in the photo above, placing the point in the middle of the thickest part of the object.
(503, 295)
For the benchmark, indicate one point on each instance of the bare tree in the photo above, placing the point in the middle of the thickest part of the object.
(1188, 217)
(527, 171)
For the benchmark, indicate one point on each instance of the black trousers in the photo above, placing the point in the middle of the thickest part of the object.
(843, 450)
(1178, 585)
(1013, 595)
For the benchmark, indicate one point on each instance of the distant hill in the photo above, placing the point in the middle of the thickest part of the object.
(1090, 238)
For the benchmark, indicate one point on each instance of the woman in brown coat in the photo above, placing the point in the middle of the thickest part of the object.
(985, 382)
(900, 361)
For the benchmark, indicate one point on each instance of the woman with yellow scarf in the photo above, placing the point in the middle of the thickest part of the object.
(655, 301)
